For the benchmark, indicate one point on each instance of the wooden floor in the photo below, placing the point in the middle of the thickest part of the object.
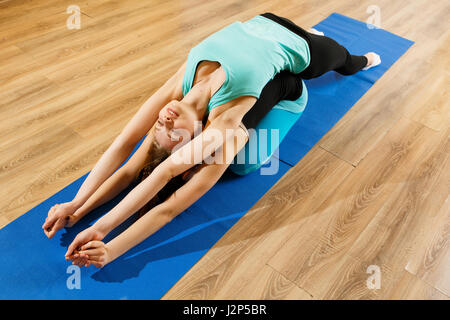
(373, 191)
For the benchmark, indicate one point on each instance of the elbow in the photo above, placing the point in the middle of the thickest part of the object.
(230, 121)
(129, 177)
(167, 214)
(164, 173)
(170, 168)
(202, 187)
(124, 144)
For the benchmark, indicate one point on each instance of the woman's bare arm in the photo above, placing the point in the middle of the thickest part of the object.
(203, 180)
(136, 128)
(119, 150)
(163, 213)
(224, 126)
(116, 183)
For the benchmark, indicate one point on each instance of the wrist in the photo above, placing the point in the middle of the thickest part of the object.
(72, 220)
(79, 213)
(76, 204)
(100, 229)
(110, 255)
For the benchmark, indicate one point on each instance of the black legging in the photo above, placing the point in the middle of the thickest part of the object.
(326, 55)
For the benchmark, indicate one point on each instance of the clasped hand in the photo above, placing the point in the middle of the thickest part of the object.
(59, 216)
(87, 248)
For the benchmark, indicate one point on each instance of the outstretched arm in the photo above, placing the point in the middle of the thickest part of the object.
(99, 254)
(116, 154)
(116, 183)
(192, 153)
(133, 132)
(284, 86)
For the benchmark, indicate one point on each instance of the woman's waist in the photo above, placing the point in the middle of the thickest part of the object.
(281, 42)
(289, 25)
(273, 27)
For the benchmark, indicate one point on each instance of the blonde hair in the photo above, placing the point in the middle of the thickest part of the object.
(155, 155)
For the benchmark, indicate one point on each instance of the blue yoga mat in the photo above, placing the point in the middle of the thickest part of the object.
(33, 267)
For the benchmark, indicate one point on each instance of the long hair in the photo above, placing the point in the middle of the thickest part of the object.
(155, 155)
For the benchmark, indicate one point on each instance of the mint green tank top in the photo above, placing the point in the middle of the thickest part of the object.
(251, 54)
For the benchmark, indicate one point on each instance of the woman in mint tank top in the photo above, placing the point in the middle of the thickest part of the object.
(251, 54)
(248, 75)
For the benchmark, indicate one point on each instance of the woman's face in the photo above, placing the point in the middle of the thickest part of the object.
(176, 123)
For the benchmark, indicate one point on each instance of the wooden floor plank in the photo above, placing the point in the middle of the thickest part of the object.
(410, 287)
(268, 284)
(31, 155)
(431, 260)
(405, 219)
(347, 213)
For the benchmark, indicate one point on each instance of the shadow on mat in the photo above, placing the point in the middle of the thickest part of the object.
(196, 233)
